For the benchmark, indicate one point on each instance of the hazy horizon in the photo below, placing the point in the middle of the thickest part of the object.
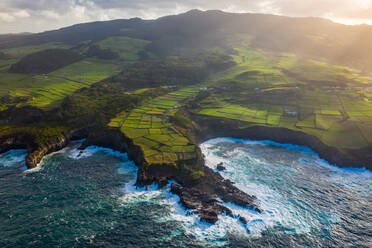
(19, 16)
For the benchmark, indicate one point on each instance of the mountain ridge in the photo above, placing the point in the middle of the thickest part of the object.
(196, 31)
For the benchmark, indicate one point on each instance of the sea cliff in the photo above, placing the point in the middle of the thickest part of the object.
(200, 195)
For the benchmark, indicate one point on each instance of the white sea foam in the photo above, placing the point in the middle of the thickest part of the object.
(13, 158)
(276, 209)
(356, 179)
(91, 150)
(190, 223)
(290, 147)
(39, 166)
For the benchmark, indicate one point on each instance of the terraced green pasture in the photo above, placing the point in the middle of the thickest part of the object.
(328, 125)
(20, 52)
(281, 90)
(46, 91)
(150, 128)
(127, 48)
(260, 68)
(5, 64)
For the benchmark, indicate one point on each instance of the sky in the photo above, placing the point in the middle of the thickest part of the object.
(40, 15)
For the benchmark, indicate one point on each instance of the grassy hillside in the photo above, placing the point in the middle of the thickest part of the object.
(45, 79)
(128, 49)
(150, 128)
(281, 90)
(47, 91)
(197, 31)
(45, 61)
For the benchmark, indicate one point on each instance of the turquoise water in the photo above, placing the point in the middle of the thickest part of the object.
(89, 200)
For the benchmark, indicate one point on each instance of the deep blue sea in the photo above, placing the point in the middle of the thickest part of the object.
(88, 199)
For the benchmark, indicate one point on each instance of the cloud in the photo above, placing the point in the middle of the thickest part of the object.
(50, 14)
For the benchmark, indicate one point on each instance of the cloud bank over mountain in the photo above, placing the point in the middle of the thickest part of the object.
(40, 15)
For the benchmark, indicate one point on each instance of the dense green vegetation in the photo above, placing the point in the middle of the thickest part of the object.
(173, 71)
(45, 61)
(128, 49)
(101, 102)
(43, 133)
(96, 51)
(21, 51)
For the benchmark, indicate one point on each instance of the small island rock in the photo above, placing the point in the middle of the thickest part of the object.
(220, 167)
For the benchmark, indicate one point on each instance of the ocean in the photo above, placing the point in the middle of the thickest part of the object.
(89, 199)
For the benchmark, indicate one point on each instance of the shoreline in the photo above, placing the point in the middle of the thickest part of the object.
(286, 146)
(212, 128)
(201, 196)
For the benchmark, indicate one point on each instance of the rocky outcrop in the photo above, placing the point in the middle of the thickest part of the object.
(205, 196)
(201, 203)
(202, 195)
(34, 157)
(220, 167)
(36, 152)
(17, 141)
(27, 141)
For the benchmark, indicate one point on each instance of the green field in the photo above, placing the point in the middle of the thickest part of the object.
(127, 48)
(281, 90)
(20, 52)
(149, 127)
(47, 91)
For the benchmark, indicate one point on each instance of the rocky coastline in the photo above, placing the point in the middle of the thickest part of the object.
(200, 196)
(23, 140)
(210, 128)
(204, 195)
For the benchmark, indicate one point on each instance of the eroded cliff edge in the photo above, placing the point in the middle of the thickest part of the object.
(199, 195)
(210, 128)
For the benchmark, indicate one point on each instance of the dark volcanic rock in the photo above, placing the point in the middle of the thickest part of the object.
(34, 157)
(203, 196)
(17, 141)
(243, 220)
(220, 167)
(200, 195)
(204, 204)
(36, 152)
(225, 190)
